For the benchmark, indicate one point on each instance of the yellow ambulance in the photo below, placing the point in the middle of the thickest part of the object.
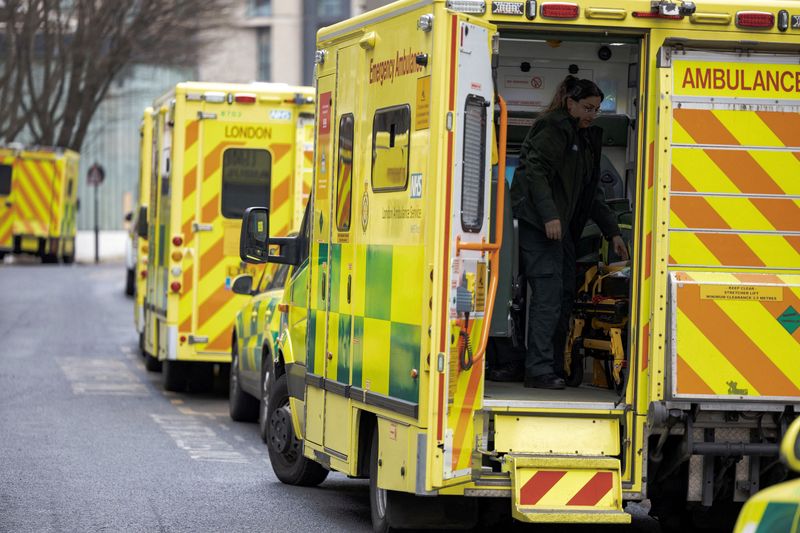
(407, 280)
(217, 149)
(140, 243)
(38, 202)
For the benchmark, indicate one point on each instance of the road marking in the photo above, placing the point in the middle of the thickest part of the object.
(192, 412)
(256, 450)
(176, 401)
(223, 426)
(200, 441)
(125, 349)
(101, 376)
(239, 438)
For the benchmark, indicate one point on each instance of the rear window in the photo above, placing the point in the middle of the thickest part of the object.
(5, 180)
(246, 174)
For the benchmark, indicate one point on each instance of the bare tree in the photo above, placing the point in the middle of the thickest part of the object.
(61, 56)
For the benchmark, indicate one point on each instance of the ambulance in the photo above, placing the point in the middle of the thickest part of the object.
(38, 202)
(406, 281)
(140, 243)
(216, 150)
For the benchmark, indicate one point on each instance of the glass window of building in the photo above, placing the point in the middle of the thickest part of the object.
(264, 52)
(260, 8)
(330, 8)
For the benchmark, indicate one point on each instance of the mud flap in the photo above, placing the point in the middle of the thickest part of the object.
(566, 490)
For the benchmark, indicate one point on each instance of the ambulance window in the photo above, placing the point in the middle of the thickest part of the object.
(5, 180)
(344, 182)
(279, 279)
(246, 176)
(474, 164)
(391, 137)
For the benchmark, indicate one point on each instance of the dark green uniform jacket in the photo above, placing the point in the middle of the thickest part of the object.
(558, 176)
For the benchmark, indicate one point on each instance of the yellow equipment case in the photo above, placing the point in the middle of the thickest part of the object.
(38, 202)
(217, 149)
(411, 278)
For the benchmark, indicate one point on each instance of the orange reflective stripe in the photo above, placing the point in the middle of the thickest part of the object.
(704, 127)
(744, 171)
(192, 129)
(735, 345)
(679, 182)
(786, 126)
(689, 382)
(696, 212)
(279, 150)
(730, 249)
(783, 214)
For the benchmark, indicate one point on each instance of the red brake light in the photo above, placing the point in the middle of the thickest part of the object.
(755, 19)
(143, 274)
(560, 10)
(177, 240)
(175, 286)
(245, 98)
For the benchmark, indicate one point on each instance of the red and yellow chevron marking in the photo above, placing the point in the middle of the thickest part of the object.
(207, 307)
(726, 225)
(467, 389)
(578, 489)
(344, 191)
(33, 192)
(737, 335)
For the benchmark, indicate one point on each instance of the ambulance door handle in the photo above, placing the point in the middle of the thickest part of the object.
(324, 285)
(348, 287)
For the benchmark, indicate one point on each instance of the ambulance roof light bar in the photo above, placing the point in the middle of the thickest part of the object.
(474, 7)
(755, 19)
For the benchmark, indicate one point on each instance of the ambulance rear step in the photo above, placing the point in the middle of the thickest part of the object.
(566, 489)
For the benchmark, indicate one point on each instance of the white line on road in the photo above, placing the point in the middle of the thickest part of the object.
(90, 375)
(198, 440)
(239, 438)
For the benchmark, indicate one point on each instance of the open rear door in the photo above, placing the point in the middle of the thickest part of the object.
(459, 389)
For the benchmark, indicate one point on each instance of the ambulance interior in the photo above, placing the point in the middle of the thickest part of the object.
(528, 73)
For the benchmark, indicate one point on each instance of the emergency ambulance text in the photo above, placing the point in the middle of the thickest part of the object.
(402, 65)
(741, 80)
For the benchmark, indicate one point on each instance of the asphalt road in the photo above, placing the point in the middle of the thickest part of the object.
(90, 441)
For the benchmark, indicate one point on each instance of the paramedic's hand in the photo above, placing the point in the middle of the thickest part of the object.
(553, 229)
(619, 247)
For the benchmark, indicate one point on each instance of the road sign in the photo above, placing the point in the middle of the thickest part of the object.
(95, 175)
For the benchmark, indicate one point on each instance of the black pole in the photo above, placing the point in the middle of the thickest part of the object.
(96, 228)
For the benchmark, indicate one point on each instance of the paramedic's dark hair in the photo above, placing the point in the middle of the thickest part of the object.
(574, 89)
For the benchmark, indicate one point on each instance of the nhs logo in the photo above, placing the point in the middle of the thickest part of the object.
(416, 185)
(280, 114)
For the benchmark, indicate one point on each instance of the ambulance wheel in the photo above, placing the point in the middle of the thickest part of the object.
(575, 377)
(130, 276)
(152, 364)
(2, 256)
(68, 259)
(175, 376)
(285, 449)
(141, 345)
(241, 406)
(49, 259)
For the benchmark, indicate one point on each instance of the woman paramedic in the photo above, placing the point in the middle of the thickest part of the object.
(554, 192)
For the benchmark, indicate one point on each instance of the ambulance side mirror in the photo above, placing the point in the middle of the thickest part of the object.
(141, 222)
(243, 284)
(790, 446)
(254, 242)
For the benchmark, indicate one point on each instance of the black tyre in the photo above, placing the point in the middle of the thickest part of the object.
(241, 406)
(50, 259)
(378, 498)
(68, 259)
(141, 345)
(285, 450)
(152, 364)
(175, 376)
(263, 401)
(130, 277)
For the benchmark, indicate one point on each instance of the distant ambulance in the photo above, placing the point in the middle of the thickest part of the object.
(685, 374)
(140, 245)
(38, 202)
(216, 150)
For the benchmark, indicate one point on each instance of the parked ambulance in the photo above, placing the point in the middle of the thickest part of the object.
(406, 273)
(216, 149)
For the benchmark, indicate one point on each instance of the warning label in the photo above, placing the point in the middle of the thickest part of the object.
(741, 292)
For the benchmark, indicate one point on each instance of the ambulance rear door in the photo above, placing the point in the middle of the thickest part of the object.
(7, 163)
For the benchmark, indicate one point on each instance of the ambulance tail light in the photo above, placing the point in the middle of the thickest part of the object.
(560, 10)
(143, 274)
(283, 307)
(755, 19)
(177, 240)
(245, 98)
(175, 286)
(474, 7)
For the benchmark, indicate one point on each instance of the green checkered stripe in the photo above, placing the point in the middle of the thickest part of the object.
(383, 320)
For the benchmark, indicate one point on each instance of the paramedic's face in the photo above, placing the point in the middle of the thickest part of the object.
(584, 110)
